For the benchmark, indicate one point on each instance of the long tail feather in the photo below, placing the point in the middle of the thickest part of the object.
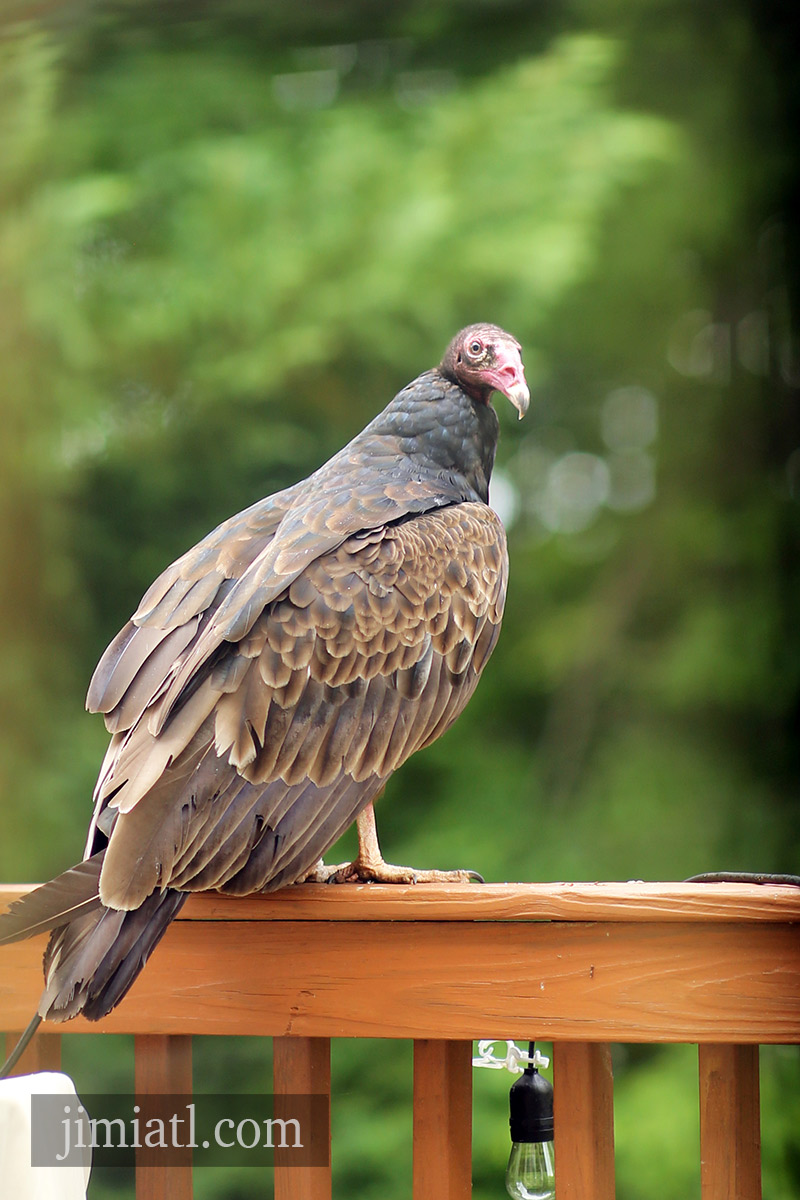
(92, 962)
(94, 953)
(70, 895)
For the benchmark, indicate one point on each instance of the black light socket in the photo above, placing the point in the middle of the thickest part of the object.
(531, 1108)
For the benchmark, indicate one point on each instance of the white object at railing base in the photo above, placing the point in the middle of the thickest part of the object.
(20, 1179)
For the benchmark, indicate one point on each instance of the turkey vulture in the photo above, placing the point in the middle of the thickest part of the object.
(274, 677)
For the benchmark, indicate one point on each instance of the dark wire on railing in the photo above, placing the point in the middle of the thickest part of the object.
(20, 1048)
(744, 877)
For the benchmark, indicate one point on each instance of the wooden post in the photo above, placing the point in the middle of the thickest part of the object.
(442, 1120)
(583, 1109)
(163, 1065)
(43, 1053)
(302, 1067)
(730, 1126)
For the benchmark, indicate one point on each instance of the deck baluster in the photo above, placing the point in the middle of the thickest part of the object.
(730, 1126)
(442, 1120)
(583, 1110)
(302, 1067)
(163, 1064)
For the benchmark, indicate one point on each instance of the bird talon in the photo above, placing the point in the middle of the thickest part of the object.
(360, 871)
(340, 873)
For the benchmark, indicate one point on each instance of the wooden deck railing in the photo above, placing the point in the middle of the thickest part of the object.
(581, 965)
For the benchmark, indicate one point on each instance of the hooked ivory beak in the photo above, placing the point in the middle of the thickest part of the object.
(520, 396)
(509, 378)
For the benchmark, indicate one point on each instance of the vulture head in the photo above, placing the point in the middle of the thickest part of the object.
(483, 359)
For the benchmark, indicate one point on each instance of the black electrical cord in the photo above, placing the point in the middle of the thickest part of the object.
(20, 1048)
(744, 877)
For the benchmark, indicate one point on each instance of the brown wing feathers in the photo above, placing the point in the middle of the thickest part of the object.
(337, 683)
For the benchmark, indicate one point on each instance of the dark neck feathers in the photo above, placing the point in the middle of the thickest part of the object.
(443, 432)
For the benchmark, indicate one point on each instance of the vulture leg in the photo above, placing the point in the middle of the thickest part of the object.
(369, 865)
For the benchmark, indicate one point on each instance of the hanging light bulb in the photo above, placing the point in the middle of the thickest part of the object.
(530, 1174)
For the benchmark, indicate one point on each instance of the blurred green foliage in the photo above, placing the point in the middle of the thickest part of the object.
(229, 234)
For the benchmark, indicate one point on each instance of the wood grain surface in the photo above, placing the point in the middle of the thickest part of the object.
(576, 981)
(633, 901)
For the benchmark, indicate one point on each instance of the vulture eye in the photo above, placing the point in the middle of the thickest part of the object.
(475, 348)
